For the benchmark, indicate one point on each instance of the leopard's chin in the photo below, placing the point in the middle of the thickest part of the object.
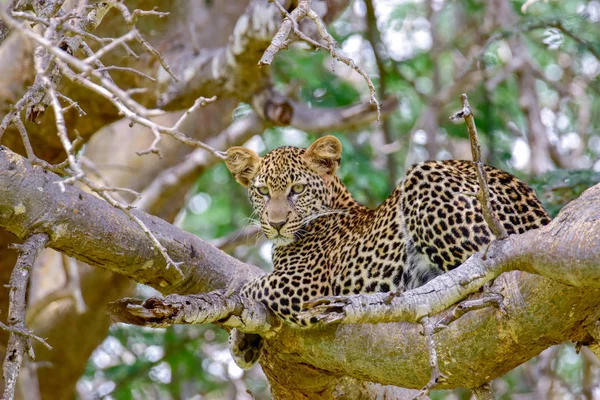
(281, 240)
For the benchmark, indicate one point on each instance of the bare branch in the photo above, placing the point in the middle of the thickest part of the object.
(169, 179)
(39, 101)
(127, 69)
(280, 41)
(483, 194)
(109, 47)
(131, 19)
(19, 340)
(491, 299)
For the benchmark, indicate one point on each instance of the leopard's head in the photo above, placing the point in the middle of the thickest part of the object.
(289, 187)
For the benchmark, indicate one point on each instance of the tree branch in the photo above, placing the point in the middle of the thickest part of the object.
(19, 340)
(483, 194)
(231, 311)
(108, 242)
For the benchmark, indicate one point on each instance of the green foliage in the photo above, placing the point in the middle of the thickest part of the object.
(557, 188)
(311, 73)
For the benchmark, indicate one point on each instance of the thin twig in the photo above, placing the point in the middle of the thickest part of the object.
(131, 18)
(172, 178)
(24, 137)
(72, 104)
(491, 299)
(25, 333)
(127, 210)
(104, 50)
(436, 375)
(127, 69)
(61, 126)
(483, 194)
(20, 337)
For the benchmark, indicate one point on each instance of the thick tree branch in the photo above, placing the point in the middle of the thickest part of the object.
(33, 202)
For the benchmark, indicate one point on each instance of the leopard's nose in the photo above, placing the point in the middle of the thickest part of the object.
(277, 225)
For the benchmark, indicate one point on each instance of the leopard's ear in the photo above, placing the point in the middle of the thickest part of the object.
(243, 164)
(323, 156)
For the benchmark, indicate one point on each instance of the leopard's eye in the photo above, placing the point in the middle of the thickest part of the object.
(298, 188)
(262, 190)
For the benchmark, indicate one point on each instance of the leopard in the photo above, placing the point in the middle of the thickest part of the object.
(327, 244)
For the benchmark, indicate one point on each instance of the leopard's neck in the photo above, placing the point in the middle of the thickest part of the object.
(341, 197)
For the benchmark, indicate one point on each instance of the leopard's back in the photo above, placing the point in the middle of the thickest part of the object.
(443, 220)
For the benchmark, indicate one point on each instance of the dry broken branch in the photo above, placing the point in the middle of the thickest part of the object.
(483, 194)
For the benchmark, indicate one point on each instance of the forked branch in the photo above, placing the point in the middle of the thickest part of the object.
(280, 41)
